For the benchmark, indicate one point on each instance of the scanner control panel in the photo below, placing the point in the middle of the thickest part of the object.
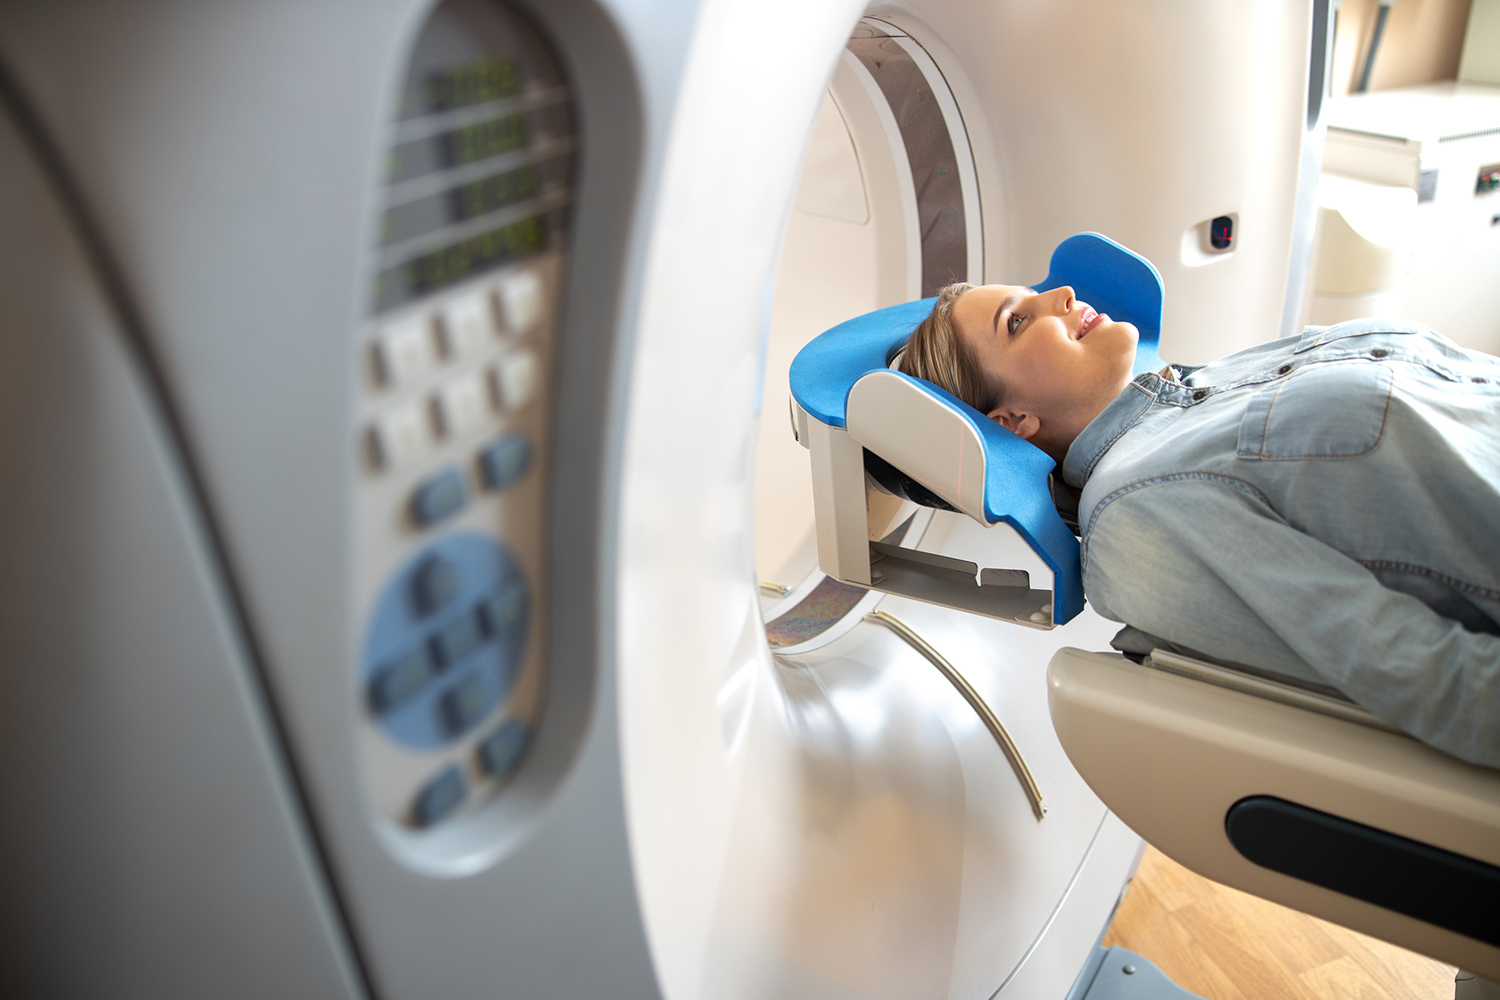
(454, 419)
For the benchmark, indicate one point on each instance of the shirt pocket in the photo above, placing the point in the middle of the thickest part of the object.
(1331, 410)
(1381, 332)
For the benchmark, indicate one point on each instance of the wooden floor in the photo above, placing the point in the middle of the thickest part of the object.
(1227, 945)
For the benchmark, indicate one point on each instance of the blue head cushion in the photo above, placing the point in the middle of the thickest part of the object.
(1104, 274)
(1115, 281)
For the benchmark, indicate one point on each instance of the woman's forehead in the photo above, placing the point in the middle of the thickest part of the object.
(1009, 289)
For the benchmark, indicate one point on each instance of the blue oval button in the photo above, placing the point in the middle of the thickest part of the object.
(505, 462)
(440, 797)
(501, 751)
(438, 498)
(415, 660)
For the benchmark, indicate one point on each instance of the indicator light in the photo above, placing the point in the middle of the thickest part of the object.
(1221, 233)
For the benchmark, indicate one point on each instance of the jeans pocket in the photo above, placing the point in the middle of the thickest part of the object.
(1333, 410)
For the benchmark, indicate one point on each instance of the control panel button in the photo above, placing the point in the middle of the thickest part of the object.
(461, 404)
(468, 324)
(438, 498)
(400, 679)
(463, 601)
(404, 349)
(501, 751)
(505, 609)
(440, 797)
(515, 378)
(434, 583)
(399, 435)
(465, 705)
(455, 641)
(520, 297)
(503, 463)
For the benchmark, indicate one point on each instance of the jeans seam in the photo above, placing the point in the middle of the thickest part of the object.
(1416, 569)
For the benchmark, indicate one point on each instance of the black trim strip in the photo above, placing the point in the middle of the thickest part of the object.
(1436, 886)
(137, 345)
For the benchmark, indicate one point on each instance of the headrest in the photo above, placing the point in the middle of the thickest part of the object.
(954, 452)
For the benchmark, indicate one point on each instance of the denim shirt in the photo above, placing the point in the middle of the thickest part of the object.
(1324, 506)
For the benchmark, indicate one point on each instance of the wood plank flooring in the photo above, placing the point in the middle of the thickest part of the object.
(1228, 945)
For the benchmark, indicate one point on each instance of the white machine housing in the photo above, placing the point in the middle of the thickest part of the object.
(192, 207)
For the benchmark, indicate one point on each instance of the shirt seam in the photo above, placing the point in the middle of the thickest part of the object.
(1151, 397)
(1215, 478)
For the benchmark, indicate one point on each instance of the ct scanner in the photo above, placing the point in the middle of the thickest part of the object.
(409, 578)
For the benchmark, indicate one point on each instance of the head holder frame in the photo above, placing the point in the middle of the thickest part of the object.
(847, 402)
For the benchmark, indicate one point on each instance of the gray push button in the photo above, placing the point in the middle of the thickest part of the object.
(465, 705)
(440, 497)
(501, 751)
(434, 583)
(439, 797)
(504, 609)
(455, 641)
(401, 679)
(505, 462)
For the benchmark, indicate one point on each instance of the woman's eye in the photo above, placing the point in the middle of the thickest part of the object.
(1013, 323)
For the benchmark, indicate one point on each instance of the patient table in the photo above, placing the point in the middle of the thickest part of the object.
(1295, 795)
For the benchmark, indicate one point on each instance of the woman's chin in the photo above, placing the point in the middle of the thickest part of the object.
(1121, 338)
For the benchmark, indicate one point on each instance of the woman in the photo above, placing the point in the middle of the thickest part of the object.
(1324, 506)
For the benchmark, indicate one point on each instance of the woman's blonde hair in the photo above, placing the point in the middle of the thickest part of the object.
(938, 354)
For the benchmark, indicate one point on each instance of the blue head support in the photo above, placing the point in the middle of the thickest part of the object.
(1013, 479)
(1115, 281)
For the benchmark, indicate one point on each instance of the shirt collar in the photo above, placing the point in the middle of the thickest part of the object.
(1105, 429)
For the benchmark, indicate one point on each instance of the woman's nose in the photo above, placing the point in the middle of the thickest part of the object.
(1062, 299)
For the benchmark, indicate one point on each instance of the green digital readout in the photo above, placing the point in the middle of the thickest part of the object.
(486, 139)
(490, 193)
(461, 146)
(477, 253)
(482, 153)
(487, 79)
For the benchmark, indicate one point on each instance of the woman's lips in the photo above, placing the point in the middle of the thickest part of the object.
(1088, 321)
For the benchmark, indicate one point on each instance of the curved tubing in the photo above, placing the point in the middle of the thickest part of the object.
(991, 721)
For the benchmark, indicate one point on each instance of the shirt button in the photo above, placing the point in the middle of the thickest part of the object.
(1379, 352)
(1283, 369)
(1200, 394)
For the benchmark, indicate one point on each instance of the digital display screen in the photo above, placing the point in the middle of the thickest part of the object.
(487, 79)
(480, 141)
(491, 138)
(482, 156)
(474, 195)
(455, 262)
(490, 193)
(477, 253)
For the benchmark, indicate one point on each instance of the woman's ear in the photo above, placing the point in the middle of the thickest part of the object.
(1023, 425)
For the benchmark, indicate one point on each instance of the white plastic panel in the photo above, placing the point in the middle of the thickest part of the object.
(921, 437)
(156, 847)
(1076, 128)
(1172, 755)
(241, 218)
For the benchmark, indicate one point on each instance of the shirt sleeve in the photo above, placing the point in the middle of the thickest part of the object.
(1206, 563)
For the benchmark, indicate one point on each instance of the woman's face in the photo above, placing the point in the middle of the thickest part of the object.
(1061, 361)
